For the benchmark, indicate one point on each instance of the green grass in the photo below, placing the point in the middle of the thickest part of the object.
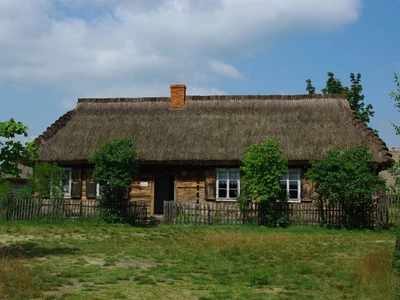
(88, 260)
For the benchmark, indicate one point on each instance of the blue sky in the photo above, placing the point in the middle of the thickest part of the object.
(53, 52)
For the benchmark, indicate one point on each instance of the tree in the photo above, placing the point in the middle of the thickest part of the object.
(14, 152)
(115, 166)
(262, 169)
(395, 95)
(347, 178)
(354, 94)
(310, 88)
(395, 172)
(46, 181)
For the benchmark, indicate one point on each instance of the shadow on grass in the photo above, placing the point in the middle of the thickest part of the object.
(33, 250)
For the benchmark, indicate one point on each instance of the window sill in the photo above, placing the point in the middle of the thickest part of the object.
(294, 201)
(225, 200)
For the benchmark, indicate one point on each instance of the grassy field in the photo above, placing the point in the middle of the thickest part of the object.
(92, 261)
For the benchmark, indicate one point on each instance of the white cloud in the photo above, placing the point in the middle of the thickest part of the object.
(99, 45)
(68, 104)
(225, 69)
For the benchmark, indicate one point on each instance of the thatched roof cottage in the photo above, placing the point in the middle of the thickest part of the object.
(190, 147)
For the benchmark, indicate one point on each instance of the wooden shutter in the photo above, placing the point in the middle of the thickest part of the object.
(76, 184)
(90, 184)
(210, 184)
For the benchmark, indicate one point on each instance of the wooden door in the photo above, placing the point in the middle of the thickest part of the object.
(163, 191)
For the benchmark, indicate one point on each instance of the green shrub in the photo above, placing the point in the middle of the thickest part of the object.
(115, 166)
(262, 169)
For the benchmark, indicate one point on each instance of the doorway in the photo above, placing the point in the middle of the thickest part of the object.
(163, 191)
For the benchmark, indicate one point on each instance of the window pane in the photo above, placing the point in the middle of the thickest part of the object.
(293, 175)
(233, 193)
(293, 185)
(293, 194)
(283, 185)
(233, 175)
(65, 182)
(222, 184)
(284, 177)
(222, 175)
(222, 193)
(233, 184)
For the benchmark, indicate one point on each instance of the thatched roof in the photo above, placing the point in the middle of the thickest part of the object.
(209, 129)
(390, 181)
(25, 173)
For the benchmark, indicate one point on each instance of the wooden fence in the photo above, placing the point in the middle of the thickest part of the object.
(62, 209)
(383, 212)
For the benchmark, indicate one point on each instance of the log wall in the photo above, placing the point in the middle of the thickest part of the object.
(191, 184)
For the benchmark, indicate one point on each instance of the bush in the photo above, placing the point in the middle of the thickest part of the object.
(45, 182)
(263, 167)
(347, 178)
(115, 166)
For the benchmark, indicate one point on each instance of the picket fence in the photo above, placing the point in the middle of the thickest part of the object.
(384, 212)
(62, 209)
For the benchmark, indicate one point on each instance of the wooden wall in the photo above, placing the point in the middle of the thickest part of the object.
(191, 184)
(145, 193)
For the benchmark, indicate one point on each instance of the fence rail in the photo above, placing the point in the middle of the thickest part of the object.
(62, 209)
(383, 212)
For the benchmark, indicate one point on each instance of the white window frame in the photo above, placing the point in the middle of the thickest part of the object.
(298, 199)
(97, 190)
(68, 195)
(218, 198)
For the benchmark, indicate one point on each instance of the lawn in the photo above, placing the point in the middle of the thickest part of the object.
(93, 261)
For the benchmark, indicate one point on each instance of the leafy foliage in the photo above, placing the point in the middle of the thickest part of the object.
(395, 172)
(310, 88)
(347, 177)
(395, 95)
(263, 167)
(115, 165)
(6, 191)
(354, 94)
(45, 182)
(14, 152)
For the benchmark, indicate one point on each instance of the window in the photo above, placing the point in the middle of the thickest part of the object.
(291, 184)
(228, 184)
(97, 190)
(66, 183)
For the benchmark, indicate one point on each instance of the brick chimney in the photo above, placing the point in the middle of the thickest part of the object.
(178, 94)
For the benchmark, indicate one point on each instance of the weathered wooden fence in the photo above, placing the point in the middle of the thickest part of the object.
(63, 209)
(383, 212)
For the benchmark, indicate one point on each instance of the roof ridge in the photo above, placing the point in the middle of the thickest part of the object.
(215, 97)
(371, 134)
(55, 127)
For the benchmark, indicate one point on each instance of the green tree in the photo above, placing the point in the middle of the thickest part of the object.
(14, 152)
(395, 171)
(310, 88)
(262, 169)
(395, 95)
(46, 181)
(347, 177)
(354, 94)
(115, 166)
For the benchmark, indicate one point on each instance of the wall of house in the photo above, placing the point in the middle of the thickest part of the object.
(190, 184)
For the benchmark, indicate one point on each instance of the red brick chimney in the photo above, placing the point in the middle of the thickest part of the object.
(178, 94)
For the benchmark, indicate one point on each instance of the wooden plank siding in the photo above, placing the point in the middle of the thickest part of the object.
(143, 193)
(195, 184)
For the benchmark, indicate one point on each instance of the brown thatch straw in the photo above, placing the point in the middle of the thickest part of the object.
(210, 129)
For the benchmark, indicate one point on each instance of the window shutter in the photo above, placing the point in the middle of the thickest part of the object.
(90, 185)
(210, 184)
(76, 185)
